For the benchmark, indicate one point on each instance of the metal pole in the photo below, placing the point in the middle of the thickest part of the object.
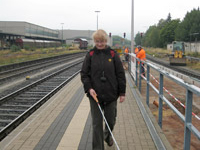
(160, 109)
(188, 120)
(62, 32)
(190, 42)
(97, 18)
(132, 28)
(147, 88)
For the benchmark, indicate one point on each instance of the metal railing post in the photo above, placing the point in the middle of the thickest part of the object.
(188, 119)
(140, 78)
(129, 63)
(136, 74)
(160, 101)
(147, 88)
(190, 88)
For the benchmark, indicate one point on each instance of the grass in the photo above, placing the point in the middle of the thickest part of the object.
(157, 52)
(9, 57)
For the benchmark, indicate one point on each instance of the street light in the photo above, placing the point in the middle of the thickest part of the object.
(62, 32)
(132, 28)
(97, 17)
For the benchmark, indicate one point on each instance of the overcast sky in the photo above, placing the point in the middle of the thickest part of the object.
(114, 16)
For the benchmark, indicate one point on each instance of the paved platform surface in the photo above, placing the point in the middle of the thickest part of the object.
(64, 123)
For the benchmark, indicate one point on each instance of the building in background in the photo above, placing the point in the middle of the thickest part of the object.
(189, 47)
(12, 30)
(70, 35)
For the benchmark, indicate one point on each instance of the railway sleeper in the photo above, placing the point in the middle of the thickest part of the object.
(46, 88)
(33, 94)
(21, 102)
(38, 93)
(29, 96)
(3, 123)
(11, 106)
(11, 111)
(51, 83)
(60, 77)
(59, 80)
(8, 116)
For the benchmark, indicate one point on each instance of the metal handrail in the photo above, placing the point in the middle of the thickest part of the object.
(190, 90)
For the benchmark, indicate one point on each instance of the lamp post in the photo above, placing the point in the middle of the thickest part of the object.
(97, 17)
(132, 27)
(62, 32)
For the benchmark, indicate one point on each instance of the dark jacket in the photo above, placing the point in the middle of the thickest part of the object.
(102, 70)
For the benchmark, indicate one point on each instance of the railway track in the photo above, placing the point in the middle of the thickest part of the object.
(9, 72)
(180, 69)
(17, 106)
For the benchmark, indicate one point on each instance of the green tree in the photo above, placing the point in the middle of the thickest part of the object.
(138, 39)
(168, 30)
(161, 24)
(168, 18)
(117, 40)
(167, 34)
(190, 25)
(152, 37)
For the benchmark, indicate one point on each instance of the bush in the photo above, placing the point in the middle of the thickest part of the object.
(15, 48)
(33, 48)
(196, 54)
(193, 54)
(26, 47)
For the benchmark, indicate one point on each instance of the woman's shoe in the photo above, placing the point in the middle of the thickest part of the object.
(109, 141)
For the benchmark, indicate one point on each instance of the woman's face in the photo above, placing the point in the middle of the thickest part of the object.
(100, 44)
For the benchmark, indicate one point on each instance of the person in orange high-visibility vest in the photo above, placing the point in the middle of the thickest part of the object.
(126, 53)
(136, 50)
(142, 56)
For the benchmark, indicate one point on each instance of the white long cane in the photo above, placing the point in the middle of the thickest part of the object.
(95, 98)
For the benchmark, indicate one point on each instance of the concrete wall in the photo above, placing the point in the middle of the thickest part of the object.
(192, 47)
(189, 47)
(12, 27)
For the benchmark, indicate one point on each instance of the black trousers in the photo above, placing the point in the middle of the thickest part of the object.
(99, 134)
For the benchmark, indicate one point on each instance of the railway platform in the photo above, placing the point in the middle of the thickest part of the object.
(64, 123)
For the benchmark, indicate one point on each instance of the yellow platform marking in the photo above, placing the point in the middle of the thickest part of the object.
(72, 136)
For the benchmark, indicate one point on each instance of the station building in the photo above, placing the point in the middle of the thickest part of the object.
(69, 36)
(11, 30)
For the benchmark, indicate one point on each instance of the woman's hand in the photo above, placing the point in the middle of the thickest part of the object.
(122, 99)
(92, 92)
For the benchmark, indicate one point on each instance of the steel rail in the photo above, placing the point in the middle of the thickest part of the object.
(34, 66)
(53, 80)
(176, 68)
